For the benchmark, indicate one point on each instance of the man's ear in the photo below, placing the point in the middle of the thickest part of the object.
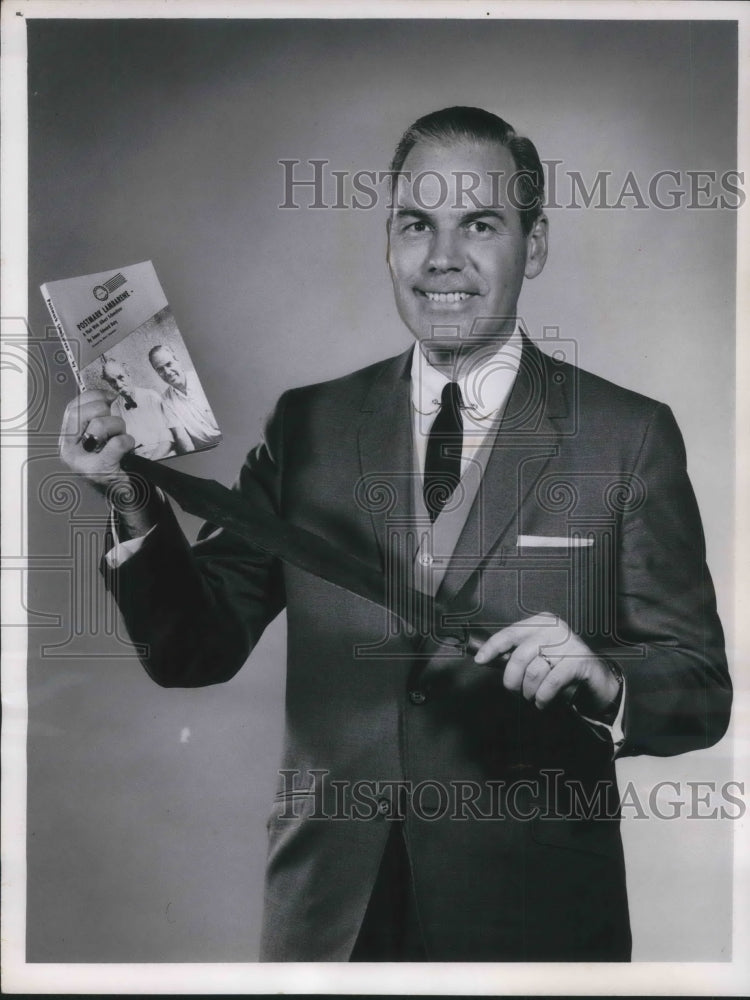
(536, 247)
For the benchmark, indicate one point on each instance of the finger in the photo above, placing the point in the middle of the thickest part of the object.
(79, 411)
(522, 657)
(118, 446)
(99, 430)
(505, 640)
(513, 635)
(104, 466)
(535, 673)
(89, 397)
(102, 462)
(561, 683)
(497, 644)
(92, 439)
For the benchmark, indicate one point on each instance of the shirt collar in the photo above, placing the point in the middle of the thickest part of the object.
(485, 383)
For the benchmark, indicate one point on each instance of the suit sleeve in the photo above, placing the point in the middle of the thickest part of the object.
(195, 612)
(677, 692)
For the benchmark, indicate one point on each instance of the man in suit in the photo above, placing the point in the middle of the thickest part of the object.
(434, 804)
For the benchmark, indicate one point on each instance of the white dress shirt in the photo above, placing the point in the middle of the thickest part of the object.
(485, 385)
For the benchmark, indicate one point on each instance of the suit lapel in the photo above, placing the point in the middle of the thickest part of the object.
(527, 438)
(386, 448)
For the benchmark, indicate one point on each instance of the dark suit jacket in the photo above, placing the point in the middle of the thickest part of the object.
(512, 824)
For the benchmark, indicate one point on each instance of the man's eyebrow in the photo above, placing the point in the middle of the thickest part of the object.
(412, 213)
(483, 213)
(473, 216)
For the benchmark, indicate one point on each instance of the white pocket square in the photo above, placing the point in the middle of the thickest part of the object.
(553, 541)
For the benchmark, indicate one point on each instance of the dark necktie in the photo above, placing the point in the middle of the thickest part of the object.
(442, 467)
(130, 403)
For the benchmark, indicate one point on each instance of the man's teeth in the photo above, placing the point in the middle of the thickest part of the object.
(447, 296)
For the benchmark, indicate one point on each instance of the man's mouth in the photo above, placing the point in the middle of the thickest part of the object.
(446, 298)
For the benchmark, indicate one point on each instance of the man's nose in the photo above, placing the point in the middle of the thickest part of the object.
(446, 252)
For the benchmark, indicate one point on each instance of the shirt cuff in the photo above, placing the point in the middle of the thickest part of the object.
(122, 551)
(613, 732)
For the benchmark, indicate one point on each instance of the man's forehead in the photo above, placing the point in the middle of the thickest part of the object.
(457, 175)
(484, 153)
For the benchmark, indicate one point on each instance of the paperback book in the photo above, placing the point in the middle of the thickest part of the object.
(120, 337)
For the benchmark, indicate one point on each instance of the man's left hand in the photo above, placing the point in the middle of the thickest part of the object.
(547, 662)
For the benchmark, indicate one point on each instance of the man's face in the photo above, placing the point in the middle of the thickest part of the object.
(115, 375)
(456, 250)
(167, 368)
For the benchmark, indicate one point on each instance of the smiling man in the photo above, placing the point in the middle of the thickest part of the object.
(458, 253)
(184, 400)
(434, 803)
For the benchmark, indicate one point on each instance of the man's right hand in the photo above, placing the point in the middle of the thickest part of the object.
(92, 443)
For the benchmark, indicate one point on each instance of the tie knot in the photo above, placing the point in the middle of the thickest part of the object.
(451, 397)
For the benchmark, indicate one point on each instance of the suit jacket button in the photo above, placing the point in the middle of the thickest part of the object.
(417, 697)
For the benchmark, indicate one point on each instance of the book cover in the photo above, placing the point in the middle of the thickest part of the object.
(120, 336)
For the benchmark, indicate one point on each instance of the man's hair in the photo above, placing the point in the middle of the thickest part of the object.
(460, 124)
(105, 360)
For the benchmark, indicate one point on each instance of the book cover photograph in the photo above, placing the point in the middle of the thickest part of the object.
(120, 337)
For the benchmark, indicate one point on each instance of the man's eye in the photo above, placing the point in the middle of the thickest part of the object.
(481, 227)
(418, 226)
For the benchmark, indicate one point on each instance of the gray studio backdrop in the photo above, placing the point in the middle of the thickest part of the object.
(161, 140)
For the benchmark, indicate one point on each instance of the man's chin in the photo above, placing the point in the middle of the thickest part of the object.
(432, 346)
(443, 335)
(461, 342)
